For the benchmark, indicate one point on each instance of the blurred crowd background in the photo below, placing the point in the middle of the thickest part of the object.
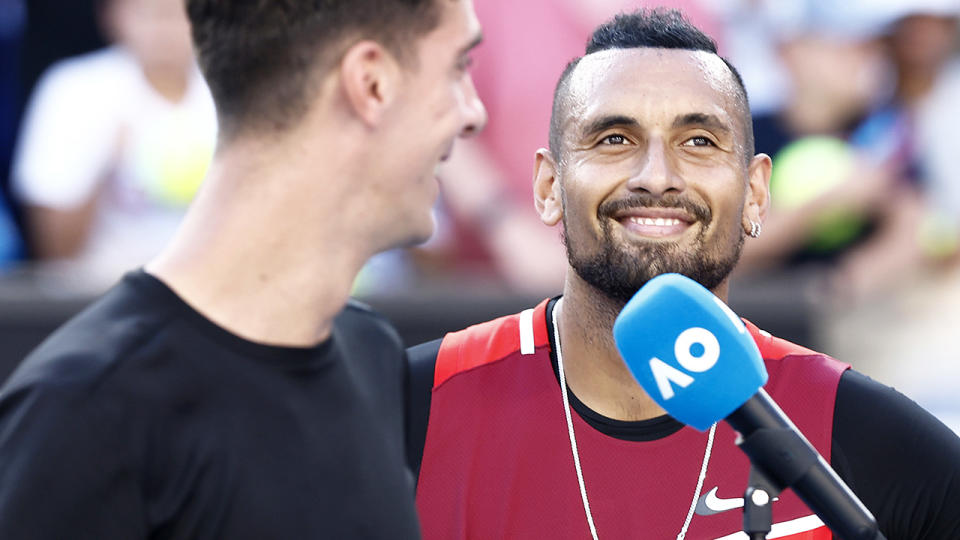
(106, 131)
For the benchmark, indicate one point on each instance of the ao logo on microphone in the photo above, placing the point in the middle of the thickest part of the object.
(696, 350)
(687, 349)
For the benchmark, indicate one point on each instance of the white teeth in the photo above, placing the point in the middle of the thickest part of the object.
(656, 222)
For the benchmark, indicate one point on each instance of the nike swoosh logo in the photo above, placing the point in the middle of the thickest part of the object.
(710, 504)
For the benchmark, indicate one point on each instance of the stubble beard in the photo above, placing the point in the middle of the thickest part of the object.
(618, 272)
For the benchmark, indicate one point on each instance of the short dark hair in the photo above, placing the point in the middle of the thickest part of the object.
(260, 57)
(658, 28)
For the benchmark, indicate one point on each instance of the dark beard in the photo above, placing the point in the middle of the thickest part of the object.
(619, 273)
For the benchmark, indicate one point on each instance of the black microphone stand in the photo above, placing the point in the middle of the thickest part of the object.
(780, 458)
(757, 505)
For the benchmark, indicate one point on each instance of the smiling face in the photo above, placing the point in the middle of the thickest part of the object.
(653, 175)
(437, 104)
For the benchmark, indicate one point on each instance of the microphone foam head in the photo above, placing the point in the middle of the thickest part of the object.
(688, 350)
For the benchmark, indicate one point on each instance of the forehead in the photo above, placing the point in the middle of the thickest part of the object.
(651, 84)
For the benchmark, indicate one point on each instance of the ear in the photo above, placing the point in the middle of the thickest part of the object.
(758, 190)
(546, 188)
(369, 77)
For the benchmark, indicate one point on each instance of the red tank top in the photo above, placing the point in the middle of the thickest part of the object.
(497, 461)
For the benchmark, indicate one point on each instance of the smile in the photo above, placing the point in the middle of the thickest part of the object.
(655, 223)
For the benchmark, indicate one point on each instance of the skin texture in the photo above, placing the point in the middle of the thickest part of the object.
(285, 220)
(435, 103)
(651, 134)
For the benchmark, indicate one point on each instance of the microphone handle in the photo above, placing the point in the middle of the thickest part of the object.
(778, 450)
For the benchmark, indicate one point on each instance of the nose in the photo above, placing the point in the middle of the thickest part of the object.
(656, 174)
(474, 113)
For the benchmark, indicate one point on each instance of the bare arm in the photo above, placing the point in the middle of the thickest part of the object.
(56, 233)
(786, 230)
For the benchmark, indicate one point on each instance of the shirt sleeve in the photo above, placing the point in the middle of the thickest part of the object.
(901, 461)
(69, 138)
(421, 362)
(61, 474)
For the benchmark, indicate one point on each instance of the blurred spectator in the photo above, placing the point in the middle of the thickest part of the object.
(488, 224)
(839, 201)
(924, 46)
(12, 16)
(906, 334)
(115, 143)
(939, 115)
(920, 43)
(749, 31)
(855, 147)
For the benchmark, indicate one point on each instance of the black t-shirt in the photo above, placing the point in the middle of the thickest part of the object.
(902, 463)
(140, 418)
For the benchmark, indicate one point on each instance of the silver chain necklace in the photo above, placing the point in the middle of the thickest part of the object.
(576, 454)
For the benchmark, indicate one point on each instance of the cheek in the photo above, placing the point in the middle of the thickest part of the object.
(438, 95)
(580, 216)
(728, 218)
(724, 190)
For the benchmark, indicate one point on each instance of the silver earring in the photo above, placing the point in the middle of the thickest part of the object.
(755, 229)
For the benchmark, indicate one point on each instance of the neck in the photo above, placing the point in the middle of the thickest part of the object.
(171, 83)
(594, 370)
(260, 252)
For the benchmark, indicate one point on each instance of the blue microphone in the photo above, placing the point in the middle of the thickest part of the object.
(696, 359)
(688, 350)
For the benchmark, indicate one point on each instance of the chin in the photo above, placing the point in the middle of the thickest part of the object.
(418, 235)
(426, 233)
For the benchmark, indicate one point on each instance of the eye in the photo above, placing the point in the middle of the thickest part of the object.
(699, 140)
(614, 139)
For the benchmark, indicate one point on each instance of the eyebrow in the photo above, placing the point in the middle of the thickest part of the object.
(701, 119)
(606, 122)
(477, 39)
(687, 120)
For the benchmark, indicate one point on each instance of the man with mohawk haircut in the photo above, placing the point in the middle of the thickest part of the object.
(531, 425)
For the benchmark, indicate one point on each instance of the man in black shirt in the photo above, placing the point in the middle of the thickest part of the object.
(229, 390)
